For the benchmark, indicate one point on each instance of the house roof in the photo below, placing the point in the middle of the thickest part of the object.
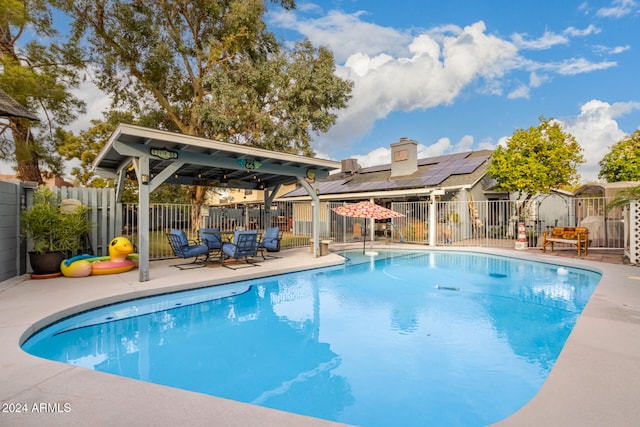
(448, 171)
(607, 189)
(9, 107)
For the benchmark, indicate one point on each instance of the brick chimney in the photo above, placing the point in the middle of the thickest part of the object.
(349, 166)
(404, 157)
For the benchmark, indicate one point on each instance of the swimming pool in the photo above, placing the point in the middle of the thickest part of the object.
(371, 343)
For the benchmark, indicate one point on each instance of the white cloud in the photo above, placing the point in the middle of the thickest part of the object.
(596, 130)
(536, 80)
(547, 41)
(550, 39)
(439, 66)
(584, 7)
(573, 66)
(576, 32)
(345, 33)
(413, 70)
(502, 142)
(521, 91)
(97, 103)
(618, 9)
(606, 50)
(378, 156)
(382, 155)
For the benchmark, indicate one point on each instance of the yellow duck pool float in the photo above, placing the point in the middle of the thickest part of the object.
(121, 259)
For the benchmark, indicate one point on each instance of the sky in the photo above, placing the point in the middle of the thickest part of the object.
(462, 75)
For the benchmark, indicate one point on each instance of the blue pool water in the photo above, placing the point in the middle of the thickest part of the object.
(407, 338)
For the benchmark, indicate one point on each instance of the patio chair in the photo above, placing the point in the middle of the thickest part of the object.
(182, 248)
(244, 245)
(270, 242)
(211, 237)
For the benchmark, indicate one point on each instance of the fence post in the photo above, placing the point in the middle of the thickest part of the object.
(633, 223)
(433, 233)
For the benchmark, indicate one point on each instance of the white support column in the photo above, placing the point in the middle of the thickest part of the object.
(142, 168)
(316, 220)
(433, 223)
(433, 213)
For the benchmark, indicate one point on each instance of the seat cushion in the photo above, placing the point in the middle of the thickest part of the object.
(271, 239)
(210, 238)
(229, 249)
(195, 250)
(182, 235)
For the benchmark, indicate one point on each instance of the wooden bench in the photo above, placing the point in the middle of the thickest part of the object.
(576, 236)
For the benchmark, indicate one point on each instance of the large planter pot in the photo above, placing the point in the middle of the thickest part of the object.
(46, 263)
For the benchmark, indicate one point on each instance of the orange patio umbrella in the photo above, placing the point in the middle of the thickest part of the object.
(367, 210)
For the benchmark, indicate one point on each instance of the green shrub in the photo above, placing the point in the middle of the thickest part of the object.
(49, 228)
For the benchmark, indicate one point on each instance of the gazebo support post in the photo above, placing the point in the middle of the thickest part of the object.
(315, 204)
(142, 170)
(269, 195)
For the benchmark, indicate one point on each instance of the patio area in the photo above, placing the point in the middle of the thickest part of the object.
(595, 381)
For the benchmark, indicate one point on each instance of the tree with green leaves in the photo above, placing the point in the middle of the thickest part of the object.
(211, 69)
(622, 163)
(86, 146)
(536, 160)
(38, 68)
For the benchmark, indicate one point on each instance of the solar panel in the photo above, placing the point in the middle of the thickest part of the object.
(443, 167)
(439, 159)
(379, 185)
(379, 168)
(435, 180)
(374, 185)
(432, 160)
(471, 165)
(438, 166)
(456, 163)
(331, 186)
(398, 183)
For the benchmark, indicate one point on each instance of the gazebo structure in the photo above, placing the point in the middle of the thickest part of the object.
(167, 157)
(9, 107)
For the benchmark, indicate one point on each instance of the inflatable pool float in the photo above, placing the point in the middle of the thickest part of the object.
(120, 260)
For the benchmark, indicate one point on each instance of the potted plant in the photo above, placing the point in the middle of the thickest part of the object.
(55, 235)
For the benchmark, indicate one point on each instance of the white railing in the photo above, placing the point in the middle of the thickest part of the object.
(494, 223)
(457, 223)
(481, 223)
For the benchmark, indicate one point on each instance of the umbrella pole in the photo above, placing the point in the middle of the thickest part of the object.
(364, 241)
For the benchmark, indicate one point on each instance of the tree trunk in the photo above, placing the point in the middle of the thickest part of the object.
(26, 156)
(197, 193)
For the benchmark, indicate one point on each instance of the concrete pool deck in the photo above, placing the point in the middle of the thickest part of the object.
(595, 382)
